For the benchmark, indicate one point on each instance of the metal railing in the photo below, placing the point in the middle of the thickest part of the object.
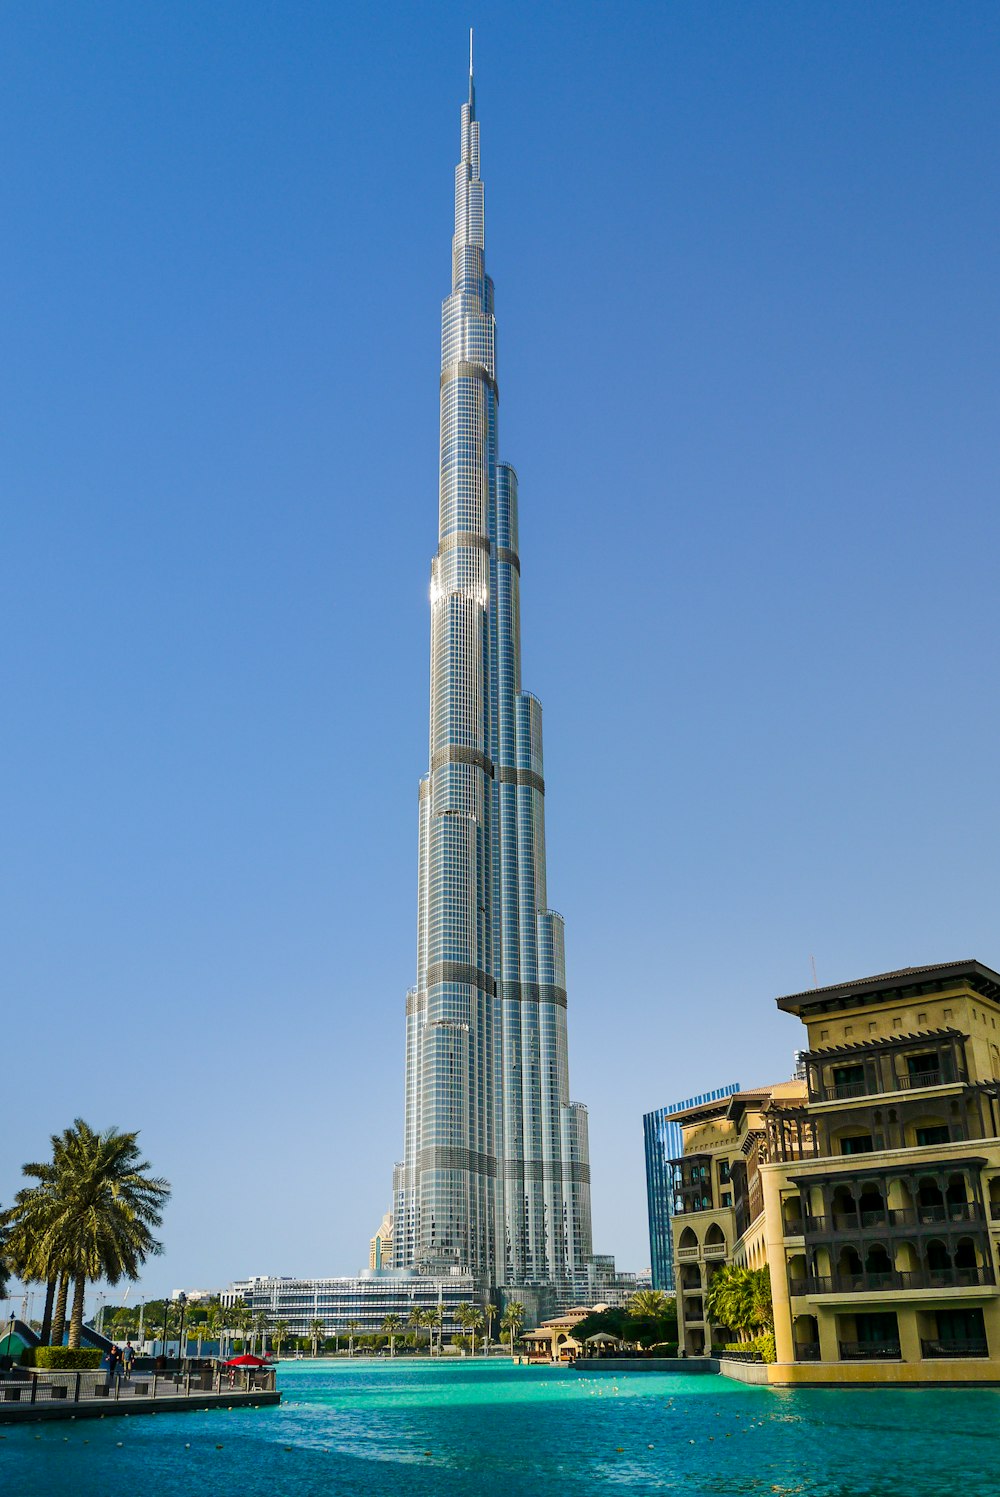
(807, 1351)
(874, 1351)
(895, 1216)
(889, 1279)
(845, 1091)
(973, 1347)
(28, 1386)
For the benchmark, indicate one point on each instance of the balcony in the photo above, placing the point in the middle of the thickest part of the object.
(910, 1216)
(845, 1091)
(976, 1347)
(869, 1351)
(686, 1254)
(880, 1067)
(892, 1280)
(715, 1250)
(807, 1351)
(885, 1086)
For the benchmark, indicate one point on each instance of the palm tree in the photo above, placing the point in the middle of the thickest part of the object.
(740, 1298)
(512, 1320)
(762, 1310)
(241, 1319)
(99, 1211)
(470, 1318)
(279, 1334)
(392, 1325)
(260, 1323)
(27, 1223)
(315, 1332)
(651, 1304)
(434, 1321)
(418, 1319)
(222, 1328)
(352, 1328)
(6, 1265)
(489, 1315)
(213, 1326)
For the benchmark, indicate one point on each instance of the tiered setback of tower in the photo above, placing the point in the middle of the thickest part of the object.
(496, 1177)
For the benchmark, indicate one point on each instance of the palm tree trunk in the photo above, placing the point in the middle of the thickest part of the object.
(59, 1316)
(50, 1294)
(76, 1318)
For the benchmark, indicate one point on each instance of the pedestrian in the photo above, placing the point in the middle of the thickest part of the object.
(112, 1357)
(128, 1357)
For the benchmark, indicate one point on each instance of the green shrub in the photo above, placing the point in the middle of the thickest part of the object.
(63, 1358)
(663, 1349)
(763, 1344)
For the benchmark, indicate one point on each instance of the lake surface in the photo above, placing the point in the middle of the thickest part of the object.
(356, 1429)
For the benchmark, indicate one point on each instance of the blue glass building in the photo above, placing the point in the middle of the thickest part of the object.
(663, 1144)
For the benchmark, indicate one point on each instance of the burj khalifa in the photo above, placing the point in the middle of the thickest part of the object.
(495, 1177)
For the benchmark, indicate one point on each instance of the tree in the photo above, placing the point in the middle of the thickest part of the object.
(512, 1320)
(392, 1325)
(259, 1326)
(212, 1326)
(652, 1304)
(651, 1317)
(100, 1207)
(241, 1318)
(281, 1328)
(434, 1321)
(471, 1318)
(418, 1319)
(489, 1315)
(27, 1223)
(315, 1332)
(740, 1298)
(5, 1263)
(352, 1329)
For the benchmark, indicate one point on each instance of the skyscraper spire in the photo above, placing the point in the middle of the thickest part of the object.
(472, 86)
(495, 1177)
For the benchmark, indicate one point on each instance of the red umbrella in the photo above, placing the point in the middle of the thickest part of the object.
(246, 1360)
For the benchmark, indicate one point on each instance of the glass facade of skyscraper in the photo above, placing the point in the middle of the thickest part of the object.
(664, 1143)
(495, 1178)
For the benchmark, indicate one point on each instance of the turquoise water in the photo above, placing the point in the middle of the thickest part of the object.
(475, 1430)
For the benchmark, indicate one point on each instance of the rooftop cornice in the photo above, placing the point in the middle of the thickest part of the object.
(880, 987)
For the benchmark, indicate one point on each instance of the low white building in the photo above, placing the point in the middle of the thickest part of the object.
(362, 1300)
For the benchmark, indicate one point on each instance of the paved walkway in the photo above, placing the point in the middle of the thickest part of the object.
(27, 1395)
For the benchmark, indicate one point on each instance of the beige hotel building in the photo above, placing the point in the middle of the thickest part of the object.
(870, 1188)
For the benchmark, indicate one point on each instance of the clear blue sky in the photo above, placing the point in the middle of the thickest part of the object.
(747, 292)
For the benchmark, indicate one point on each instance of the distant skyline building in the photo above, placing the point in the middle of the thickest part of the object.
(664, 1143)
(380, 1249)
(495, 1177)
(363, 1300)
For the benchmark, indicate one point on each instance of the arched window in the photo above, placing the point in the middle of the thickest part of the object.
(938, 1256)
(965, 1254)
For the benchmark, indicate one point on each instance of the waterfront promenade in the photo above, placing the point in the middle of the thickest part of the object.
(474, 1429)
(27, 1396)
